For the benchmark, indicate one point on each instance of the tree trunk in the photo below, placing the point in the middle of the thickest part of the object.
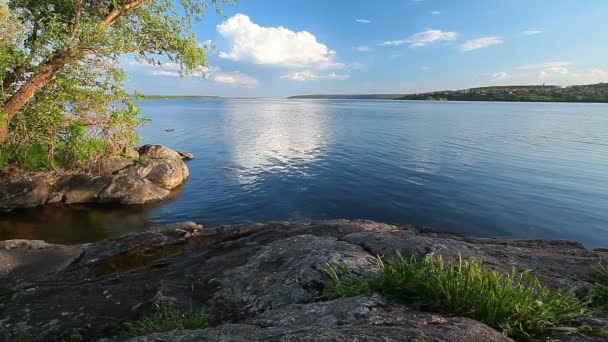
(25, 93)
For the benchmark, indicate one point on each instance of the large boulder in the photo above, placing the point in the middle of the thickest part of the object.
(122, 180)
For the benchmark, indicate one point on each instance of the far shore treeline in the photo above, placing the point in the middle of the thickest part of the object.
(516, 93)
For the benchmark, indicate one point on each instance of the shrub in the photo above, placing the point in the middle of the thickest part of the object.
(514, 303)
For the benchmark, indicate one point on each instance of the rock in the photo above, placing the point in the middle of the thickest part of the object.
(28, 260)
(26, 190)
(167, 174)
(289, 271)
(352, 319)
(113, 180)
(186, 155)
(268, 274)
(558, 264)
(83, 188)
(157, 152)
(125, 189)
(109, 165)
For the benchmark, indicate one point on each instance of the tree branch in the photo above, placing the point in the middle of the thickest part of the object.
(76, 26)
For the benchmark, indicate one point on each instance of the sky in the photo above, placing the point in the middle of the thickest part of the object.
(278, 48)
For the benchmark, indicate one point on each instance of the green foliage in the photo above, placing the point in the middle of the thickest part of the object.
(578, 93)
(162, 320)
(514, 303)
(83, 113)
(598, 295)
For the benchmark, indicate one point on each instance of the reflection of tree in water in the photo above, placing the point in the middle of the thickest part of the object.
(275, 136)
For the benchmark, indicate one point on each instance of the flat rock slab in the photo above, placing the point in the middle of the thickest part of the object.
(27, 260)
(271, 274)
(363, 319)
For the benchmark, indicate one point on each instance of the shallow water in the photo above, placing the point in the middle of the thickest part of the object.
(524, 170)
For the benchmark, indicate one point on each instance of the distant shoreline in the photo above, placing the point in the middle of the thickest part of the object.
(591, 93)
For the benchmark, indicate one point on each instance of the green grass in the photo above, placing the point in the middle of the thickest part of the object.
(598, 295)
(162, 320)
(514, 303)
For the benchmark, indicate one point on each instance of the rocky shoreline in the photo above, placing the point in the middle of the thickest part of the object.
(148, 175)
(269, 272)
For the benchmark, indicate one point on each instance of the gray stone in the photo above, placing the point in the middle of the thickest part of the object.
(29, 260)
(165, 173)
(111, 180)
(126, 189)
(157, 152)
(269, 274)
(26, 190)
(83, 188)
(352, 319)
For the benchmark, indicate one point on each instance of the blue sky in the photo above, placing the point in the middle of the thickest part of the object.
(271, 48)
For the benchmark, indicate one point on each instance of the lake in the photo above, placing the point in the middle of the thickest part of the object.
(523, 170)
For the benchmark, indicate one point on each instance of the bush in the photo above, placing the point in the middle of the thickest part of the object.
(514, 303)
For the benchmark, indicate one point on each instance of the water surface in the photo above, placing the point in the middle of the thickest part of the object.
(524, 170)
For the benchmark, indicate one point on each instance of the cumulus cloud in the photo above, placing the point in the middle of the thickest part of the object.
(236, 78)
(435, 12)
(479, 43)
(274, 45)
(533, 32)
(362, 48)
(307, 75)
(422, 38)
(363, 21)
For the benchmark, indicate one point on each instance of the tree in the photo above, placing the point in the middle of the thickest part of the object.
(61, 81)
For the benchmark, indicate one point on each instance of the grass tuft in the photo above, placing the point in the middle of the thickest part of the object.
(514, 303)
(162, 320)
(598, 295)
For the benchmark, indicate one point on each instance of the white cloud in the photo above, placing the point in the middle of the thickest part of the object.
(362, 48)
(236, 78)
(307, 75)
(533, 32)
(214, 74)
(168, 69)
(479, 43)
(393, 42)
(435, 13)
(363, 21)
(501, 75)
(274, 45)
(546, 65)
(556, 72)
(422, 38)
